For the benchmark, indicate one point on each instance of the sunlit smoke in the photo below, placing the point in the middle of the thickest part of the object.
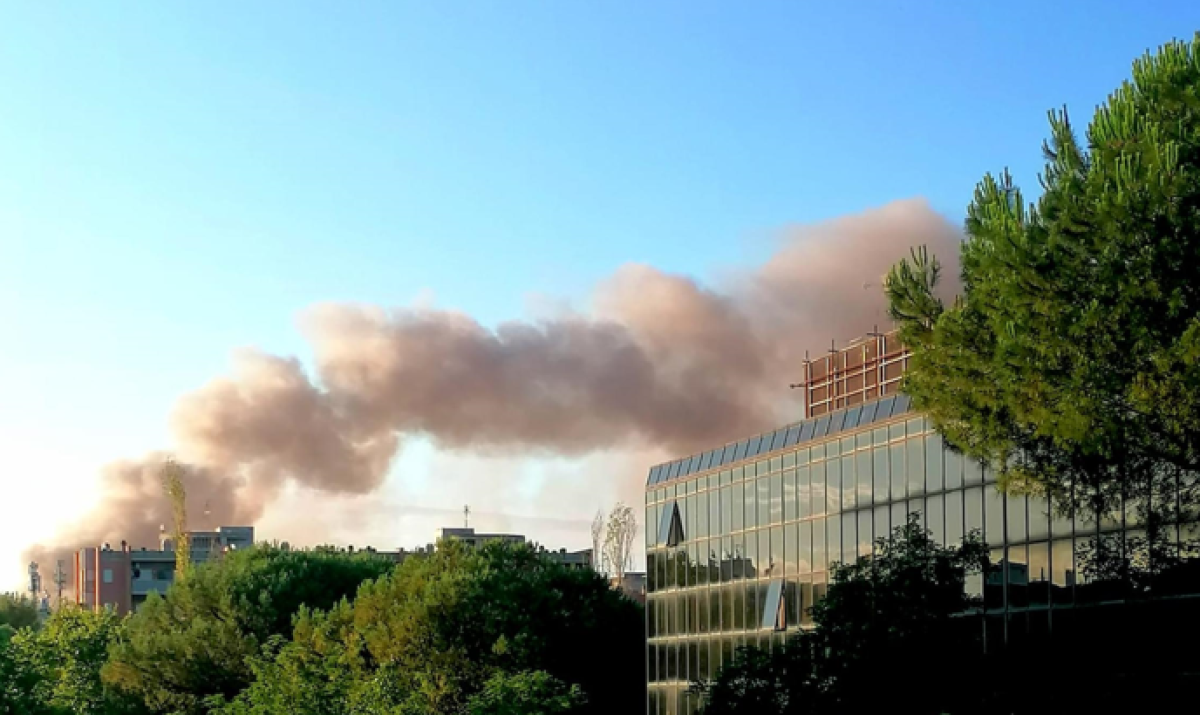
(656, 362)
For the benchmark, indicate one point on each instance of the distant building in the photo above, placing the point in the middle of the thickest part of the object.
(633, 585)
(468, 535)
(571, 559)
(123, 578)
(464, 534)
(399, 555)
(205, 543)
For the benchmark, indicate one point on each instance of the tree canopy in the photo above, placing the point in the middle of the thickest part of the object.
(17, 612)
(887, 625)
(891, 618)
(55, 670)
(196, 641)
(500, 630)
(526, 693)
(1071, 361)
(461, 629)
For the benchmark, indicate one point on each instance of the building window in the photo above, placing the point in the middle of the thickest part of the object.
(899, 471)
(954, 517)
(817, 488)
(934, 453)
(954, 469)
(1016, 518)
(108, 577)
(880, 458)
(883, 527)
(803, 492)
(993, 519)
(735, 507)
(670, 528)
(749, 504)
(864, 532)
(915, 464)
(774, 617)
(765, 512)
(714, 513)
(863, 467)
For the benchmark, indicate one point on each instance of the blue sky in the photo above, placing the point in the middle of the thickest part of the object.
(178, 180)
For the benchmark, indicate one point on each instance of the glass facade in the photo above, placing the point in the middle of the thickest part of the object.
(738, 551)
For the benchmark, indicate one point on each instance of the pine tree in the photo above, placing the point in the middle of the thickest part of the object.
(1071, 362)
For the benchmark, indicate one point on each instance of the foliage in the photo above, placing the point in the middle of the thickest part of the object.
(172, 481)
(17, 611)
(781, 681)
(619, 540)
(295, 679)
(1137, 564)
(17, 680)
(598, 527)
(885, 627)
(1071, 362)
(888, 621)
(56, 670)
(196, 641)
(427, 638)
(526, 693)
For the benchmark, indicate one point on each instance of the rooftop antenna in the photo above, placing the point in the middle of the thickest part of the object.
(797, 385)
(805, 384)
(466, 517)
(833, 398)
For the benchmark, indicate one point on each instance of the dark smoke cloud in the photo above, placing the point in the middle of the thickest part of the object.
(657, 362)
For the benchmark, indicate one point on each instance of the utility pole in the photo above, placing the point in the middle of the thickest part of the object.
(466, 517)
(35, 582)
(60, 580)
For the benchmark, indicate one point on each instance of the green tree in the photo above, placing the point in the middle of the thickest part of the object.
(888, 621)
(526, 693)
(17, 611)
(780, 681)
(56, 670)
(300, 680)
(427, 638)
(890, 625)
(172, 474)
(196, 641)
(18, 682)
(1071, 361)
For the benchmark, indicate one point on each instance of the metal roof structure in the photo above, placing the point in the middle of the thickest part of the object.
(792, 435)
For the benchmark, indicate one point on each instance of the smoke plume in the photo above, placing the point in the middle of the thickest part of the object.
(657, 361)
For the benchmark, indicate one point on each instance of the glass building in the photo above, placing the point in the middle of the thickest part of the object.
(740, 539)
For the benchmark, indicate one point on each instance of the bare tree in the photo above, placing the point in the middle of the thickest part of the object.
(172, 480)
(597, 540)
(618, 542)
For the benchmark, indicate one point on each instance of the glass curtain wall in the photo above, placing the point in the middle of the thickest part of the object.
(738, 553)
